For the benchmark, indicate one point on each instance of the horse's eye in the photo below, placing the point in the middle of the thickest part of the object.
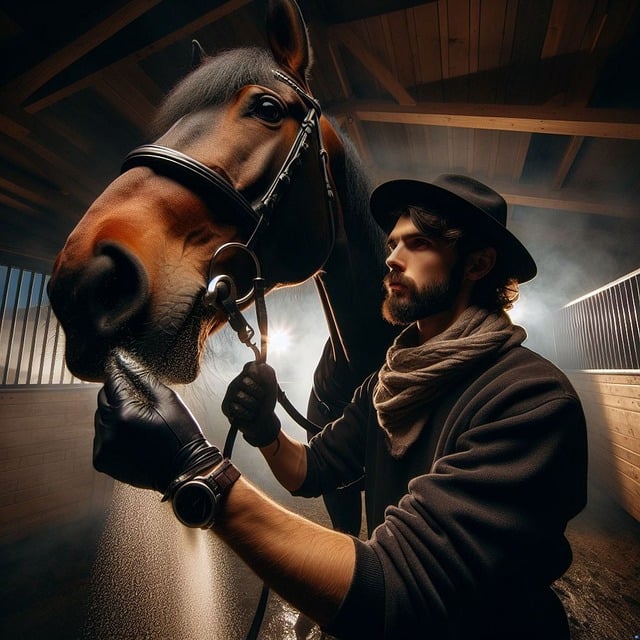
(269, 110)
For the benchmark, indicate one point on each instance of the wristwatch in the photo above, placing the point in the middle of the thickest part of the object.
(196, 502)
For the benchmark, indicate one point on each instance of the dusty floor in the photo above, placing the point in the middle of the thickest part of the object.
(601, 590)
(45, 582)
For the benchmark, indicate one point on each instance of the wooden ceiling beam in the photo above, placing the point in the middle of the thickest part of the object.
(120, 87)
(37, 158)
(575, 203)
(350, 123)
(569, 200)
(185, 31)
(568, 158)
(378, 70)
(18, 205)
(23, 86)
(620, 124)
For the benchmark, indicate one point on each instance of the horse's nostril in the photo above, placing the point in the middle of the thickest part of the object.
(113, 289)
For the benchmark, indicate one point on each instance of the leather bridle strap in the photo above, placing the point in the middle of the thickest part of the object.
(211, 186)
(191, 173)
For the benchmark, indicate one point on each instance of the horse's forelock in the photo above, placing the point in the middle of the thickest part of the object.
(215, 82)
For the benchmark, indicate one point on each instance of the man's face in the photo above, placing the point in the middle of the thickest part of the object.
(424, 278)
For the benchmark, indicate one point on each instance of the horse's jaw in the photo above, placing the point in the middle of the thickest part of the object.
(172, 358)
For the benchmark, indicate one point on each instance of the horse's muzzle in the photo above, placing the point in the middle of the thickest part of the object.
(101, 303)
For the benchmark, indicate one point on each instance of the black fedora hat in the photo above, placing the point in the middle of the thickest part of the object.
(464, 200)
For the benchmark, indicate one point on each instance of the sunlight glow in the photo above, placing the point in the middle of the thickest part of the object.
(279, 340)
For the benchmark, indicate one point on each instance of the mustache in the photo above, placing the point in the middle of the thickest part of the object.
(395, 277)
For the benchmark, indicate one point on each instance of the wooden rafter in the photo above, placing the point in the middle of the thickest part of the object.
(377, 69)
(567, 200)
(171, 38)
(576, 204)
(23, 86)
(568, 158)
(596, 123)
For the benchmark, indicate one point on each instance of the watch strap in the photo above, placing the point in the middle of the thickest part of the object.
(213, 456)
(223, 476)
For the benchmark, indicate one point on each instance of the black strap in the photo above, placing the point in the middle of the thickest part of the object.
(191, 173)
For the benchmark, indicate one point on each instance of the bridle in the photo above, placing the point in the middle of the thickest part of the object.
(221, 290)
(212, 187)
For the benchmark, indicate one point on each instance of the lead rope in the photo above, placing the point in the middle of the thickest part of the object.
(222, 295)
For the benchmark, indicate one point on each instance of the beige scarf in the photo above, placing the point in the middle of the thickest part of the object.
(413, 375)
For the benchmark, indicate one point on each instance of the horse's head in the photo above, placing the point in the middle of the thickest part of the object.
(134, 271)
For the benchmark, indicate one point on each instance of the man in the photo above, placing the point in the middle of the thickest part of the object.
(472, 447)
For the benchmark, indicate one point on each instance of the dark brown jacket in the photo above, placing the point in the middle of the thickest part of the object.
(466, 531)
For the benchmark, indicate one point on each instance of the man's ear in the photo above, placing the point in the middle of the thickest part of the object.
(479, 263)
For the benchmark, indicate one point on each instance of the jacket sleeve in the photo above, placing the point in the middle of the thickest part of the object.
(491, 512)
(335, 456)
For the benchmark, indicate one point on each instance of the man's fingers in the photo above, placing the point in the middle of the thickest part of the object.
(239, 413)
(260, 374)
(251, 388)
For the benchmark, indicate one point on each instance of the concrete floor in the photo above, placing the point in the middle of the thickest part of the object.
(46, 581)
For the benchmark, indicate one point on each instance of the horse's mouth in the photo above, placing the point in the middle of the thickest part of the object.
(174, 357)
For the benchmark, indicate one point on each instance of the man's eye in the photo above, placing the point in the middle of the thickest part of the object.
(420, 243)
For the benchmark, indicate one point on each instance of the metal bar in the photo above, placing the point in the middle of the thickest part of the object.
(45, 340)
(24, 328)
(3, 304)
(634, 296)
(36, 325)
(12, 327)
(54, 353)
(603, 327)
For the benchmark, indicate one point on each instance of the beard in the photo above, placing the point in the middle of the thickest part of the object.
(414, 303)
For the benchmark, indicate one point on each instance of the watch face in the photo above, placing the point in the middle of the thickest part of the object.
(194, 504)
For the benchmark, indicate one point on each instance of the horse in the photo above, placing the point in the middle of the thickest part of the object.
(245, 174)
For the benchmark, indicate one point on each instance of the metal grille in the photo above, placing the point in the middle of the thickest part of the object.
(600, 331)
(31, 339)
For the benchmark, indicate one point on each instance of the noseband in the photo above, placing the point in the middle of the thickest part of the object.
(212, 187)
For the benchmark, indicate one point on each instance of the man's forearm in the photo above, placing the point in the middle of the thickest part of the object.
(287, 459)
(310, 566)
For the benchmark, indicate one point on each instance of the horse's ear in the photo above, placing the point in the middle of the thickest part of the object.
(288, 38)
(198, 54)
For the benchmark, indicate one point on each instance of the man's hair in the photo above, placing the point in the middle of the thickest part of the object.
(496, 290)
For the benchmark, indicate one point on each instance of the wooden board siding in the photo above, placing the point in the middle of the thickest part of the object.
(612, 406)
(46, 472)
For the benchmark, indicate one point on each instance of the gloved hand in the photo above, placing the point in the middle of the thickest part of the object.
(144, 434)
(250, 401)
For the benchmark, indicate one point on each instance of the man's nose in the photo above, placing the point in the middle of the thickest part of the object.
(394, 259)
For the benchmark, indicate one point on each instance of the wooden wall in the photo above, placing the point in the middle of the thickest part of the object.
(46, 472)
(612, 406)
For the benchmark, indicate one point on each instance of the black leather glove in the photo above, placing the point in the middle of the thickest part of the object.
(250, 401)
(144, 434)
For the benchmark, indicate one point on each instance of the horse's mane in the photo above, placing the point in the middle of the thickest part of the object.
(214, 82)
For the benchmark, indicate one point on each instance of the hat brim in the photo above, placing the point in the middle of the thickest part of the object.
(390, 196)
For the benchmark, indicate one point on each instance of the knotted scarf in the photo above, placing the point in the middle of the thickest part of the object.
(414, 375)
